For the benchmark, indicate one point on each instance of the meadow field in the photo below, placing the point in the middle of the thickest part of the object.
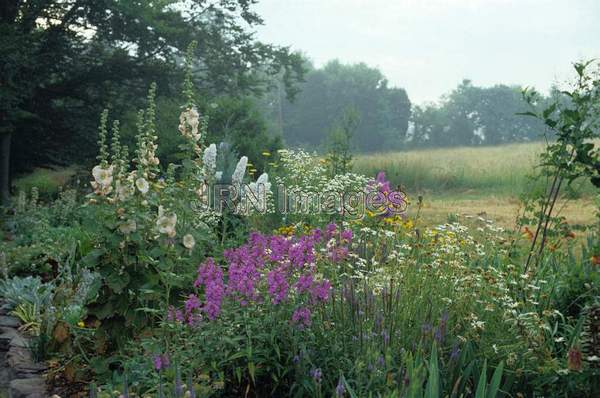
(474, 181)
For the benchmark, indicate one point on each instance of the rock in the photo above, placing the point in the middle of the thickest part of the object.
(20, 341)
(6, 336)
(9, 322)
(22, 364)
(4, 308)
(4, 377)
(27, 388)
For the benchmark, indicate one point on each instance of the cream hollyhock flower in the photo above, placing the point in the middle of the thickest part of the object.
(166, 222)
(202, 193)
(189, 241)
(189, 120)
(128, 227)
(124, 190)
(103, 176)
(142, 184)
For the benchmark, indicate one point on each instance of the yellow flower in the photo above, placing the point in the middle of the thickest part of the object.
(289, 230)
(81, 324)
(266, 153)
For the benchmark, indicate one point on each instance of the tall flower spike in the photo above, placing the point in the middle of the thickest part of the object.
(240, 170)
(150, 135)
(189, 122)
(102, 136)
(188, 82)
(210, 160)
(140, 142)
(178, 383)
(124, 162)
(115, 146)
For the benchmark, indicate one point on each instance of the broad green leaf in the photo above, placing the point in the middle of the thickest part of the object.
(495, 384)
(480, 392)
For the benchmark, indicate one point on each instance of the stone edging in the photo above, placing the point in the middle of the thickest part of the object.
(19, 373)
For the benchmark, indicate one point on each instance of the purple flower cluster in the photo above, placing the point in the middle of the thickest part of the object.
(383, 184)
(302, 317)
(388, 202)
(278, 285)
(320, 291)
(267, 267)
(339, 250)
(211, 277)
(161, 361)
(340, 389)
(316, 374)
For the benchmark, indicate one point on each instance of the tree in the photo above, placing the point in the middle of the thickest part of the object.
(339, 154)
(62, 60)
(328, 92)
(471, 115)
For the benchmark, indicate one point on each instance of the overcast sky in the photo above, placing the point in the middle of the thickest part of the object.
(429, 46)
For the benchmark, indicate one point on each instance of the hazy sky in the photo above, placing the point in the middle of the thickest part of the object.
(429, 46)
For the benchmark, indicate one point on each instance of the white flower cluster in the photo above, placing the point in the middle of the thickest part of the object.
(305, 174)
(240, 170)
(260, 194)
(302, 170)
(210, 161)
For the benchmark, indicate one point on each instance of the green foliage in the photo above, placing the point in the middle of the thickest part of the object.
(574, 121)
(325, 96)
(48, 182)
(471, 115)
(339, 155)
(239, 122)
(29, 290)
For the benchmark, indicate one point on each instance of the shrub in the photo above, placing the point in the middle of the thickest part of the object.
(48, 182)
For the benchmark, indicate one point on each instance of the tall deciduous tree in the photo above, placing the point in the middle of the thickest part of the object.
(325, 96)
(472, 115)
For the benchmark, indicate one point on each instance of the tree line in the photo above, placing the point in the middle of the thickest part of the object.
(468, 115)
